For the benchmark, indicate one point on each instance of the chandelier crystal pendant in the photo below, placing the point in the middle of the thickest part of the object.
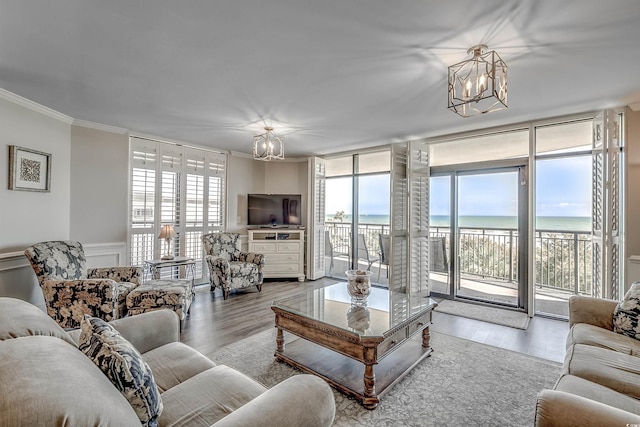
(268, 146)
(478, 85)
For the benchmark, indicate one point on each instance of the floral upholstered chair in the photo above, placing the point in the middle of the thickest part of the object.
(71, 290)
(230, 268)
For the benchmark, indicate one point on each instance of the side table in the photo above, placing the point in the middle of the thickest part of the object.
(153, 266)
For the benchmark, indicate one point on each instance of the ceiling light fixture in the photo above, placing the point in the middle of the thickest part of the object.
(268, 146)
(478, 85)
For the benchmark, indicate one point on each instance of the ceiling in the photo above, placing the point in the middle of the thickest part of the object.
(329, 75)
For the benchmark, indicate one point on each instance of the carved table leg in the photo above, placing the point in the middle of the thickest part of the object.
(426, 337)
(370, 400)
(279, 341)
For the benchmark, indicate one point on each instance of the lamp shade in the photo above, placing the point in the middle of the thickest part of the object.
(167, 232)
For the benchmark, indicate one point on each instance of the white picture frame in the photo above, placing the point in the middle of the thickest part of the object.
(29, 170)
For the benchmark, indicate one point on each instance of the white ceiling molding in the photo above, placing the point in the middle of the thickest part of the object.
(34, 106)
(99, 126)
(635, 106)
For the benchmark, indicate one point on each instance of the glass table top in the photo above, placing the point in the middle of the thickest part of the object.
(332, 305)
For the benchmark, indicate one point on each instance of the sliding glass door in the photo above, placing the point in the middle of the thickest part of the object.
(478, 234)
(490, 226)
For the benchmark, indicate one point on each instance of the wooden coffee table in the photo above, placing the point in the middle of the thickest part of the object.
(390, 333)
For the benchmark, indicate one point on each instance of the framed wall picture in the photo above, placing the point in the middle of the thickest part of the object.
(29, 170)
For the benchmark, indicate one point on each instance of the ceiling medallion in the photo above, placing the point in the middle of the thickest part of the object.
(268, 146)
(478, 85)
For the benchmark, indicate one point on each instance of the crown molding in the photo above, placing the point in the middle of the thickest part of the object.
(635, 106)
(34, 106)
(100, 126)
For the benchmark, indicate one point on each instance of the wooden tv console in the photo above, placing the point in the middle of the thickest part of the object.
(283, 249)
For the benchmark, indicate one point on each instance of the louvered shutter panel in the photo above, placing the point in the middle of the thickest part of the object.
(171, 157)
(614, 194)
(597, 204)
(142, 204)
(418, 217)
(398, 261)
(194, 205)
(216, 193)
(315, 237)
(605, 210)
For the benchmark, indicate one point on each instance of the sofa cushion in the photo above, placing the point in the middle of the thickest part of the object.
(175, 363)
(590, 390)
(627, 313)
(123, 365)
(206, 398)
(583, 333)
(617, 371)
(47, 382)
(20, 319)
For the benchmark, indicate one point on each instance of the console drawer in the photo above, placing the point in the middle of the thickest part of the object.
(264, 247)
(280, 258)
(288, 247)
(280, 268)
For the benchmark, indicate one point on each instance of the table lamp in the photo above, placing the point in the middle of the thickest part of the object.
(167, 233)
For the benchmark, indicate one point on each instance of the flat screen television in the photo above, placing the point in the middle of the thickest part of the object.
(274, 210)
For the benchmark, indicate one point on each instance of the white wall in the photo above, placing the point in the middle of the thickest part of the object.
(99, 185)
(27, 217)
(244, 174)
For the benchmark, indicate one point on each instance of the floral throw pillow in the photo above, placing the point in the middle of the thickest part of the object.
(626, 316)
(123, 364)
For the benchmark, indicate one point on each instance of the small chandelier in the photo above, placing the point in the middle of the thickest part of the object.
(478, 85)
(268, 146)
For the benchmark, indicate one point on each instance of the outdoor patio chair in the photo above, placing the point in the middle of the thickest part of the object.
(384, 240)
(363, 252)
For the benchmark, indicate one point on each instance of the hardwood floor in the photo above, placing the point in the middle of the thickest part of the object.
(214, 323)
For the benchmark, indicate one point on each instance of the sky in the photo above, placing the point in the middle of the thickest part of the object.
(374, 191)
(563, 188)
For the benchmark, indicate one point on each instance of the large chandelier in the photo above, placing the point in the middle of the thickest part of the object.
(478, 85)
(268, 146)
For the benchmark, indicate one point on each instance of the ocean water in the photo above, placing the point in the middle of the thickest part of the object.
(547, 223)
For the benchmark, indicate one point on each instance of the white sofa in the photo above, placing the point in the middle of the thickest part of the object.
(45, 380)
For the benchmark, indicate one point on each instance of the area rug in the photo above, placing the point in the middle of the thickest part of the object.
(499, 316)
(463, 383)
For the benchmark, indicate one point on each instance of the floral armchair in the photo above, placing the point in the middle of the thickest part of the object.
(230, 268)
(71, 290)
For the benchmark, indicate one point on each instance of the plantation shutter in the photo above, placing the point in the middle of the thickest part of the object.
(169, 190)
(194, 205)
(409, 258)
(418, 269)
(606, 214)
(315, 237)
(398, 258)
(216, 192)
(142, 203)
(181, 186)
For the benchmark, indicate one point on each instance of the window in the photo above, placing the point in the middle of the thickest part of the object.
(181, 186)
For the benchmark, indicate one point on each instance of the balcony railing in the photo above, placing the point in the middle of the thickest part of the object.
(562, 261)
